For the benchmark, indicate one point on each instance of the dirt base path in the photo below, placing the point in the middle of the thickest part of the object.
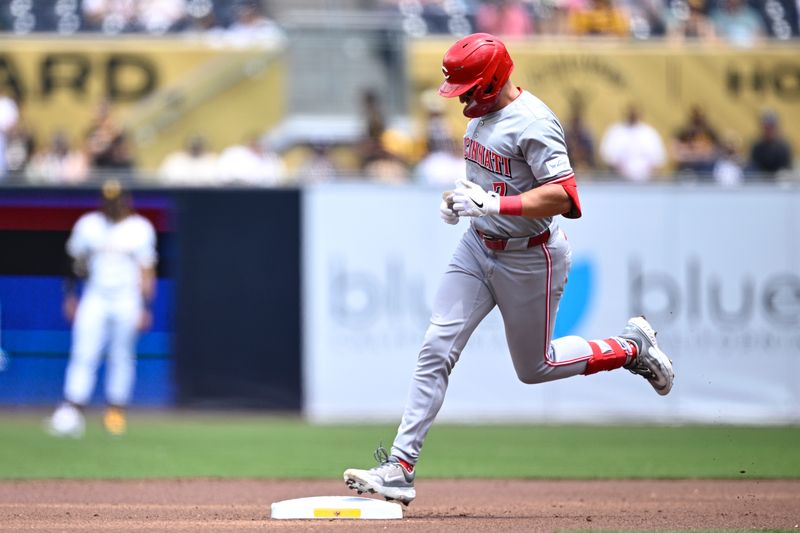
(441, 505)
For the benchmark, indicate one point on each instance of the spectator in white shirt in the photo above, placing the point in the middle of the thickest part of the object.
(632, 148)
(252, 164)
(729, 168)
(193, 165)
(738, 24)
(9, 115)
(58, 163)
(252, 25)
(442, 165)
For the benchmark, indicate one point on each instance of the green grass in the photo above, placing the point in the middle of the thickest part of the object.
(195, 445)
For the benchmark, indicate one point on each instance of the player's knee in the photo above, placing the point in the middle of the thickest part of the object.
(531, 373)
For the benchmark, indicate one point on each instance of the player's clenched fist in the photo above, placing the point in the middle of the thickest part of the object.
(470, 200)
(446, 208)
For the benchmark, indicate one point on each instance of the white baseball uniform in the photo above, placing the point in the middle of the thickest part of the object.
(517, 263)
(111, 305)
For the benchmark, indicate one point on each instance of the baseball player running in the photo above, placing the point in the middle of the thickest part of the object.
(513, 256)
(115, 249)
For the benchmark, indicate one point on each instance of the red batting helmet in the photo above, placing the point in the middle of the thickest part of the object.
(478, 61)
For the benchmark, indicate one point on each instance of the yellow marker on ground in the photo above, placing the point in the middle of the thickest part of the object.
(336, 508)
(337, 513)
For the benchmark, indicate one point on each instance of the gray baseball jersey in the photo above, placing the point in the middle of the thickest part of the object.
(510, 151)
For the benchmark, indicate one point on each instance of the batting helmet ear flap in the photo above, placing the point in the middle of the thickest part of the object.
(479, 60)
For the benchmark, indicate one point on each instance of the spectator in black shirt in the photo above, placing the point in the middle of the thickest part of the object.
(771, 152)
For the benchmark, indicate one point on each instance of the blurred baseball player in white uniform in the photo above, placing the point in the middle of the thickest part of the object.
(115, 249)
(513, 256)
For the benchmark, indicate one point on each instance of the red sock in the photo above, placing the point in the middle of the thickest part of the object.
(405, 464)
(609, 354)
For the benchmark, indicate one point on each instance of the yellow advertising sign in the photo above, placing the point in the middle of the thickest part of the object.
(733, 86)
(161, 90)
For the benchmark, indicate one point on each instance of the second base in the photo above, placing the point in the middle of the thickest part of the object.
(336, 507)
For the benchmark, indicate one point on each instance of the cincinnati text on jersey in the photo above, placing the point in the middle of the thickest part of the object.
(491, 161)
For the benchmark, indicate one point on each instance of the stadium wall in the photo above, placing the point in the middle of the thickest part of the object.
(226, 330)
(717, 271)
(34, 227)
(237, 324)
(282, 299)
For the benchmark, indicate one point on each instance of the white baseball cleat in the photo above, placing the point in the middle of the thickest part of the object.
(650, 362)
(66, 421)
(389, 479)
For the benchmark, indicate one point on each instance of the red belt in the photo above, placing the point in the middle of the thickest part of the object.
(496, 243)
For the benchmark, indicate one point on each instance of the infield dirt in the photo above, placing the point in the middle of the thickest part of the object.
(441, 505)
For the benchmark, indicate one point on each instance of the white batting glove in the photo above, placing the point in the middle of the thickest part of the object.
(445, 211)
(469, 200)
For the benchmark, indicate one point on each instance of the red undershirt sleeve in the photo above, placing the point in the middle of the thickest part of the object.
(571, 187)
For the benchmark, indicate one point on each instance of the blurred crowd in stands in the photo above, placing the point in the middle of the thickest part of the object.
(741, 22)
(237, 19)
(630, 148)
